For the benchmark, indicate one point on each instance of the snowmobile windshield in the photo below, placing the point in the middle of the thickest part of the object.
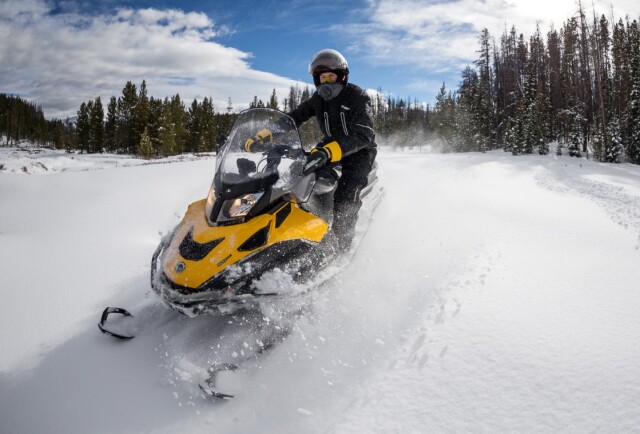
(274, 162)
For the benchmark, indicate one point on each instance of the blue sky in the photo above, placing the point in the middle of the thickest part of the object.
(60, 53)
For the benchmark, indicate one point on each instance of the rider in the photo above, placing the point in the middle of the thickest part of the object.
(343, 112)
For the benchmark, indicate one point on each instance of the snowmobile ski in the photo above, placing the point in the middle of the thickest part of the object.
(110, 329)
(209, 385)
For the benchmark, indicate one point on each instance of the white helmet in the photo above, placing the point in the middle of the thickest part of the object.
(329, 61)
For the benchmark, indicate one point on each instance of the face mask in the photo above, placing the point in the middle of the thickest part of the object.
(329, 91)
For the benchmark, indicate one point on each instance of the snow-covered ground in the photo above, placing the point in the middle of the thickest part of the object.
(490, 293)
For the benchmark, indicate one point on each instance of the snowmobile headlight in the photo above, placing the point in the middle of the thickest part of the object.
(240, 206)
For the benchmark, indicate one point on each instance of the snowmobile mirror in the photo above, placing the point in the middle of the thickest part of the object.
(246, 166)
(222, 138)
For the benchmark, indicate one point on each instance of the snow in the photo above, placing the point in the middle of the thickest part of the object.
(490, 293)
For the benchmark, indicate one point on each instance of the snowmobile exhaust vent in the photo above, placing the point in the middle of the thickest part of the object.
(256, 240)
(282, 215)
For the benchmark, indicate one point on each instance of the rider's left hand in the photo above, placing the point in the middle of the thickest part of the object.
(258, 143)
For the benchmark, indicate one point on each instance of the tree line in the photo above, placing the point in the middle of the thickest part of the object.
(21, 120)
(579, 85)
(136, 123)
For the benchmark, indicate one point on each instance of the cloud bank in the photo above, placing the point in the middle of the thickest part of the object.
(59, 60)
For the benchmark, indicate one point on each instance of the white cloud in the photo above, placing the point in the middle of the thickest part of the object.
(60, 60)
(442, 36)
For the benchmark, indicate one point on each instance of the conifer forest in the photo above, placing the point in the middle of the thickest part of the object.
(578, 86)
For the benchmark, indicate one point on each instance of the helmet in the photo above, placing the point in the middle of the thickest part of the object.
(329, 61)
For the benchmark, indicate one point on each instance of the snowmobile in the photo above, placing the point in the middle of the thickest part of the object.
(265, 210)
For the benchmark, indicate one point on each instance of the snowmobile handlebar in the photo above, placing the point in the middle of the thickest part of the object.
(315, 161)
(283, 151)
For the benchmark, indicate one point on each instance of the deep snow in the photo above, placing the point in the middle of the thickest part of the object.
(490, 293)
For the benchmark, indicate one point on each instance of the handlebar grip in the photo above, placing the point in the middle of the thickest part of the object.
(311, 166)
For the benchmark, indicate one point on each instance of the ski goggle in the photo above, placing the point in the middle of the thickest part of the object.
(328, 77)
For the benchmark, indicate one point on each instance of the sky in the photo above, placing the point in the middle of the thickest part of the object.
(59, 53)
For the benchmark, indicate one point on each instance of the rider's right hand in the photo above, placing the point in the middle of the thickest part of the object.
(317, 158)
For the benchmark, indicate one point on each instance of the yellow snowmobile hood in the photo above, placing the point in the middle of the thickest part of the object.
(198, 252)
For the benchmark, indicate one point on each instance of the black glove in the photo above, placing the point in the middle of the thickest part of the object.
(319, 157)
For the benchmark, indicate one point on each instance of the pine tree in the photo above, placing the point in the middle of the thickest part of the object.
(586, 84)
(83, 128)
(483, 113)
(540, 92)
(110, 133)
(306, 94)
(194, 121)
(141, 112)
(555, 96)
(443, 120)
(179, 118)
(507, 84)
(167, 131)
(153, 123)
(602, 68)
(96, 127)
(517, 133)
(615, 147)
(575, 136)
(273, 101)
(569, 78)
(474, 113)
(126, 134)
(209, 130)
(633, 122)
(598, 146)
(467, 112)
(510, 141)
(145, 148)
(294, 99)
(530, 128)
(633, 111)
(310, 133)
(541, 120)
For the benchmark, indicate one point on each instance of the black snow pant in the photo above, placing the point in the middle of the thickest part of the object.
(347, 203)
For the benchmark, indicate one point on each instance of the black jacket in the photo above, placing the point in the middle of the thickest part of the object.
(347, 118)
